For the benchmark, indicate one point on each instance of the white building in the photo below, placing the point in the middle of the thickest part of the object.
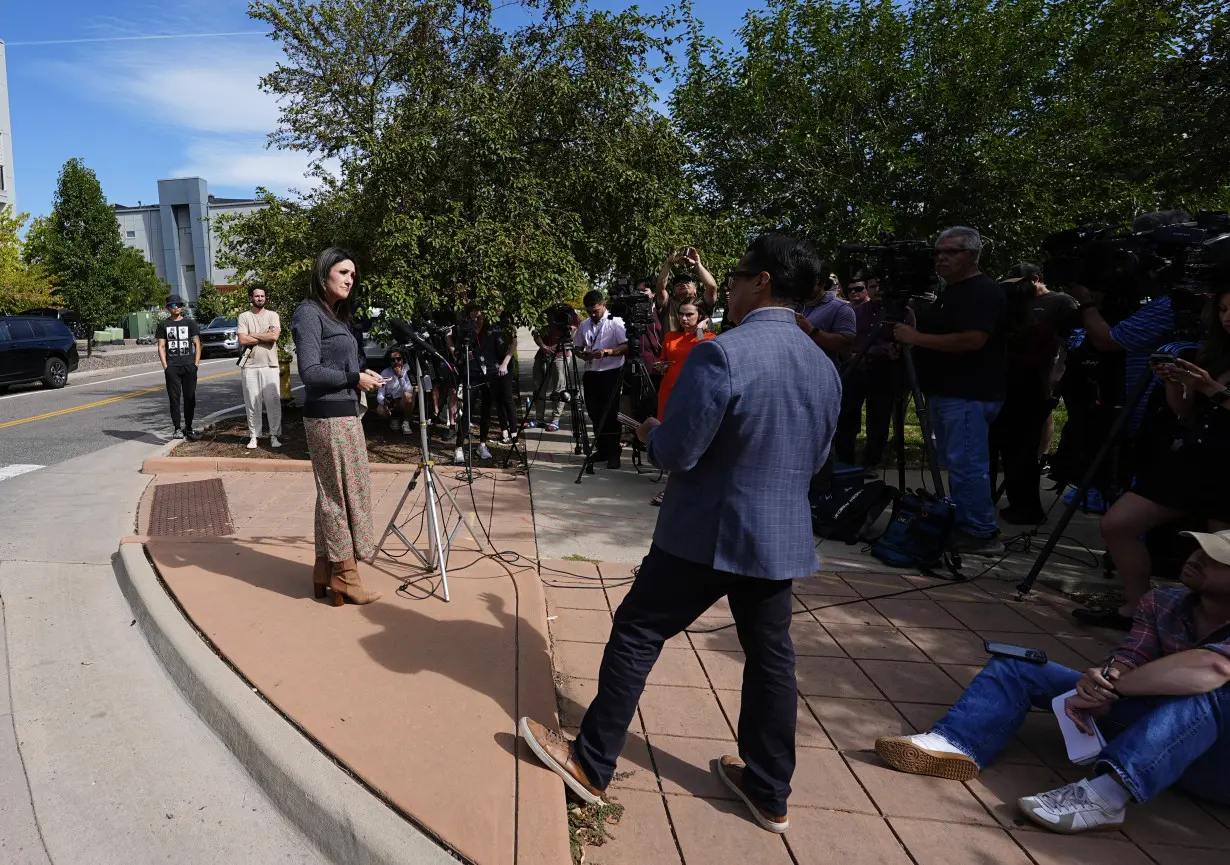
(8, 194)
(179, 234)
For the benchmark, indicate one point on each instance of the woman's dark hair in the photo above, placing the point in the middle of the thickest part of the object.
(318, 290)
(1019, 318)
(692, 303)
(1215, 356)
(792, 264)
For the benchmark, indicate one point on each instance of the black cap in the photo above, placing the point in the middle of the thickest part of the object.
(175, 298)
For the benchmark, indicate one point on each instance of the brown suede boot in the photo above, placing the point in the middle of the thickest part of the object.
(320, 576)
(346, 584)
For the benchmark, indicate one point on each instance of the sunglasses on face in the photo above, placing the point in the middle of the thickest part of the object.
(175, 306)
(397, 360)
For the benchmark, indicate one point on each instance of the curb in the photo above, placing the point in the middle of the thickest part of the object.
(340, 816)
(166, 465)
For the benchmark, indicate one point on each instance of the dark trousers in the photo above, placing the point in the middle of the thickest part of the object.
(599, 387)
(181, 385)
(874, 386)
(1014, 443)
(667, 596)
(485, 389)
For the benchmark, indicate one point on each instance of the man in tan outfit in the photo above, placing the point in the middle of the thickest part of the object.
(258, 336)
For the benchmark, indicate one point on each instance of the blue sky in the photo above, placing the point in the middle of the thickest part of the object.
(137, 110)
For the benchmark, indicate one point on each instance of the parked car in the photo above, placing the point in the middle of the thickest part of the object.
(220, 335)
(36, 348)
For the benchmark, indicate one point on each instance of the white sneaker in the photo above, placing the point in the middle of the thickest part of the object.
(275, 442)
(405, 427)
(926, 754)
(393, 425)
(252, 443)
(1072, 809)
(459, 456)
(483, 453)
(504, 436)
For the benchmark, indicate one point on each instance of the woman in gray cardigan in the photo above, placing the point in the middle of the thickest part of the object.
(330, 368)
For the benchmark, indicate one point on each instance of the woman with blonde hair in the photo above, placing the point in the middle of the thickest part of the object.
(330, 367)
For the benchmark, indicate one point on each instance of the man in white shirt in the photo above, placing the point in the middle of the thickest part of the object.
(397, 392)
(602, 343)
(259, 329)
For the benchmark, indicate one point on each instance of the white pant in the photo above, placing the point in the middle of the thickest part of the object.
(261, 385)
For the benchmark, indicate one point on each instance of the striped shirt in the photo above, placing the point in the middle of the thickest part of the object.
(1139, 335)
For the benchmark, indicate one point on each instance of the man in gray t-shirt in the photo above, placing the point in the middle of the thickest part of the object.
(259, 329)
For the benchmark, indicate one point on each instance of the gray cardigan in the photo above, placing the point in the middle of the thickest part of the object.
(329, 364)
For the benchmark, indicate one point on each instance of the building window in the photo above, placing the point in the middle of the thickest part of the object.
(132, 234)
(191, 268)
(1, 178)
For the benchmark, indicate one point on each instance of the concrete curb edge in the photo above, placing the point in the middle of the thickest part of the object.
(343, 819)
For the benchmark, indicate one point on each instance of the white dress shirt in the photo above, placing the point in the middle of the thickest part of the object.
(397, 388)
(608, 333)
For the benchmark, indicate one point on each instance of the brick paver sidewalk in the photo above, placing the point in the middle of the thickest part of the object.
(868, 666)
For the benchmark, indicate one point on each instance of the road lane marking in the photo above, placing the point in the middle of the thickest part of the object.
(16, 469)
(101, 402)
(95, 381)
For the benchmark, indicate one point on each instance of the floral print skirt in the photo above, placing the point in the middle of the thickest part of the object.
(343, 487)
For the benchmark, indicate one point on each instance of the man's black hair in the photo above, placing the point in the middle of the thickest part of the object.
(591, 297)
(791, 262)
(682, 278)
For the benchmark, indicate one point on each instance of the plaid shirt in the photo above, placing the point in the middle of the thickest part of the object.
(1163, 626)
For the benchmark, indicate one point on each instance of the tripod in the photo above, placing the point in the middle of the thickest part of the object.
(439, 541)
(645, 396)
(571, 394)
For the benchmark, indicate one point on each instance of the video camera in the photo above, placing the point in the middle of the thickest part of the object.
(905, 268)
(1186, 260)
(634, 308)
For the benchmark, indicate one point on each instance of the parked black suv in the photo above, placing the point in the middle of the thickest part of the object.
(34, 348)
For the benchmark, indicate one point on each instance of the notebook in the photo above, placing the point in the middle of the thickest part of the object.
(1082, 748)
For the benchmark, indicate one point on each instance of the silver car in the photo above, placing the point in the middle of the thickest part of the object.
(220, 335)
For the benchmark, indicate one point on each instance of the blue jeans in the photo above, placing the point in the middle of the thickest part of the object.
(962, 437)
(1152, 742)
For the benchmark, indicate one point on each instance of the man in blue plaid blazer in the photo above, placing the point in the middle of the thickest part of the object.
(752, 416)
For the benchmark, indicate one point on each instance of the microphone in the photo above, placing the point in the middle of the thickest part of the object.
(405, 334)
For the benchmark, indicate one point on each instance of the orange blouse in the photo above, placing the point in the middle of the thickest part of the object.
(675, 347)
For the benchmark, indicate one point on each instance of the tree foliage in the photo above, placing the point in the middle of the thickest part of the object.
(22, 286)
(505, 165)
(79, 246)
(210, 303)
(1020, 117)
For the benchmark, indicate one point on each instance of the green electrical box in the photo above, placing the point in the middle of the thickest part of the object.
(140, 324)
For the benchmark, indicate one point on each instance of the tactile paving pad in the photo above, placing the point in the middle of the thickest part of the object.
(192, 508)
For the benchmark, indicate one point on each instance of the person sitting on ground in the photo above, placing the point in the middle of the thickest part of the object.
(396, 394)
(1162, 702)
(675, 350)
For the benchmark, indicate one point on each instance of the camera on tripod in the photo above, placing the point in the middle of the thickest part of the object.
(635, 308)
(905, 269)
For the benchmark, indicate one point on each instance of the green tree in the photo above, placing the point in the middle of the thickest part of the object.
(79, 245)
(22, 286)
(138, 282)
(209, 303)
(503, 165)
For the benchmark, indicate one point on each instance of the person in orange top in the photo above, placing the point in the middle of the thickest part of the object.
(675, 347)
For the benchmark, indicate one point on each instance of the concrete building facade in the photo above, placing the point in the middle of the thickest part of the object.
(179, 234)
(8, 190)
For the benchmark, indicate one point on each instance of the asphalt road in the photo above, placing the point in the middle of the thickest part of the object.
(41, 427)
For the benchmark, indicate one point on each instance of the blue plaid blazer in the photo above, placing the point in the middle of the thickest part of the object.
(751, 418)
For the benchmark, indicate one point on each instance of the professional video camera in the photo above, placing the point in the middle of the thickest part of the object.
(905, 268)
(625, 302)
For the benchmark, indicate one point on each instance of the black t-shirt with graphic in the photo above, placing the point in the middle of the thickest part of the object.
(180, 337)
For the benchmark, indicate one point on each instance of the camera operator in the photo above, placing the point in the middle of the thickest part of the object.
(858, 291)
(602, 343)
(1192, 478)
(490, 355)
(828, 320)
(682, 288)
(962, 368)
(1142, 332)
(1039, 321)
(872, 380)
(562, 322)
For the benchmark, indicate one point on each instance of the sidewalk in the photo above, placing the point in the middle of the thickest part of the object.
(101, 760)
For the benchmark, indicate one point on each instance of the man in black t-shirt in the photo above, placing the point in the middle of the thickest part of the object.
(962, 368)
(179, 349)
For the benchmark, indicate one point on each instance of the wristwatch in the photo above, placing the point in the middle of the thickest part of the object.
(1220, 398)
(812, 332)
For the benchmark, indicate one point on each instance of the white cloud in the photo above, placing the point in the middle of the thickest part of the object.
(215, 92)
(246, 164)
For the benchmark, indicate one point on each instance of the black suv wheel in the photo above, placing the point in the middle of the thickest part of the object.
(55, 373)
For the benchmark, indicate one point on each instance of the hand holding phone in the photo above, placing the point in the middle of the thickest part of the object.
(1162, 358)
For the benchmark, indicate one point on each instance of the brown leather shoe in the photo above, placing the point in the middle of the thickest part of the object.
(346, 585)
(730, 770)
(555, 752)
(320, 576)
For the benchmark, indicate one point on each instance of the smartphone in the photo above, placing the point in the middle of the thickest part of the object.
(1007, 650)
(629, 422)
(1161, 357)
(688, 252)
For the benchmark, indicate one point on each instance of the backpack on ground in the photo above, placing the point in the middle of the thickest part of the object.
(919, 532)
(850, 513)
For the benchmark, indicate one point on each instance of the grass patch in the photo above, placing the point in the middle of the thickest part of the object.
(587, 827)
(576, 558)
